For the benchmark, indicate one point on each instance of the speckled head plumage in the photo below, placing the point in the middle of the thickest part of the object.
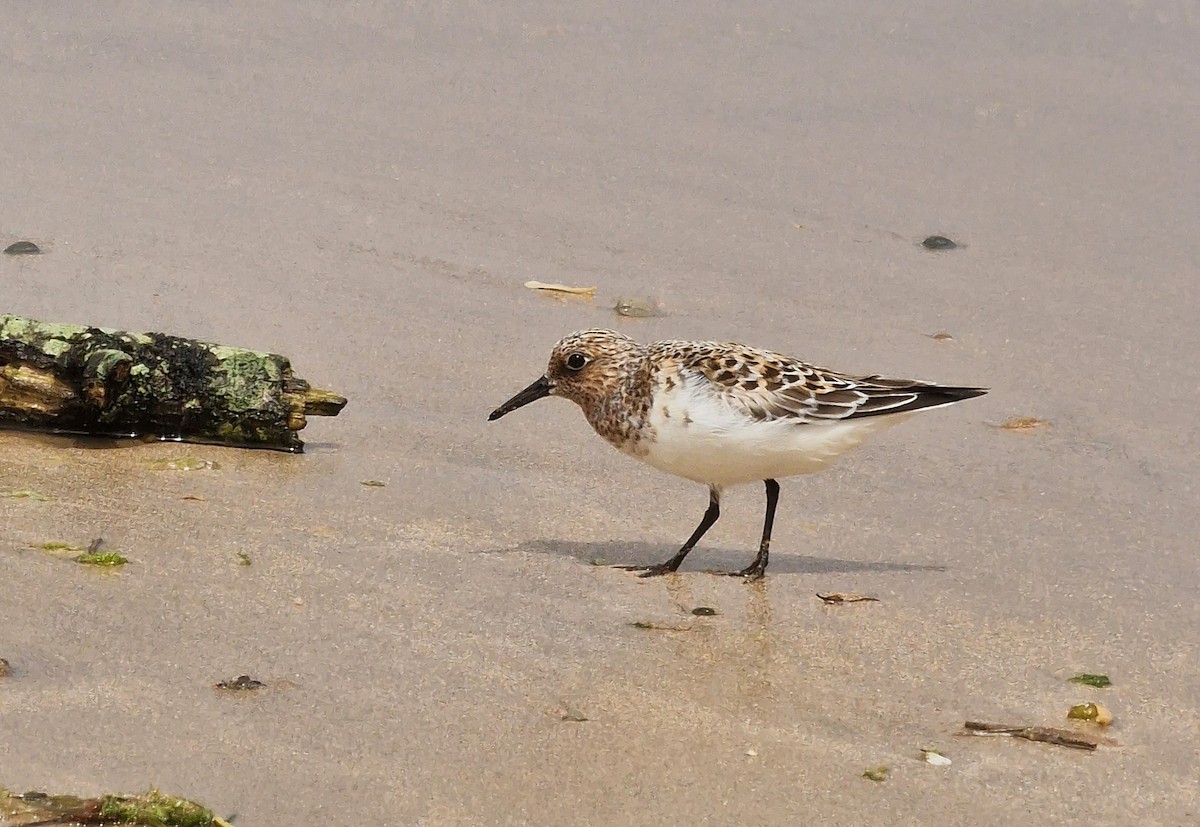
(589, 364)
(585, 367)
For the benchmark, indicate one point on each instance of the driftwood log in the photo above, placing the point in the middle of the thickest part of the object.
(65, 378)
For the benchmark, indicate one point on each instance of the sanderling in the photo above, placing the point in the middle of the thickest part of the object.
(723, 414)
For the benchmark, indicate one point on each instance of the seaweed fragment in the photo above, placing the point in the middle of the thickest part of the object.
(23, 494)
(1088, 679)
(1096, 713)
(876, 774)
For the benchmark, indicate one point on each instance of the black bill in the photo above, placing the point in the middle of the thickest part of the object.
(532, 393)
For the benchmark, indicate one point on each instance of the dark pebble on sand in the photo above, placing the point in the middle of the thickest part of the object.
(242, 683)
(22, 248)
(704, 611)
(938, 242)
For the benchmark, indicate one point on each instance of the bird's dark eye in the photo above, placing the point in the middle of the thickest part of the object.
(576, 361)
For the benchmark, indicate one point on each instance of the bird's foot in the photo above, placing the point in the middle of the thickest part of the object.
(657, 570)
(751, 572)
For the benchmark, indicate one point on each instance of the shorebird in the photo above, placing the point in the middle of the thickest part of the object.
(723, 414)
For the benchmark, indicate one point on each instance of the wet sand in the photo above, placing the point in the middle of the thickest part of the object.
(367, 193)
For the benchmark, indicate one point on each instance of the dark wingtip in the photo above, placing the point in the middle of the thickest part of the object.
(938, 395)
(964, 393)
(919, 398)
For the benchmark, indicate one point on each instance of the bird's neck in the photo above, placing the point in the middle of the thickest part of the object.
(620, 410)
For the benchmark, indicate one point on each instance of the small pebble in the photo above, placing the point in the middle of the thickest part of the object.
(938, 242)
(637, 308)
(242, 683)
(704, 611)
(22, 248)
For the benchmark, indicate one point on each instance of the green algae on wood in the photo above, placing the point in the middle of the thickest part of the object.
(151, 809)
(155, 809)
(68, 378)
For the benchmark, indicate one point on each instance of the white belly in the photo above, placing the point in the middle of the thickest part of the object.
(706, 440)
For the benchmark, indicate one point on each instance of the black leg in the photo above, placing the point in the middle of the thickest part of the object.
(759, 567)
(710, 517)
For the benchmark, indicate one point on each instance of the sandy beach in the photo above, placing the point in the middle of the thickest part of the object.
(367, 189)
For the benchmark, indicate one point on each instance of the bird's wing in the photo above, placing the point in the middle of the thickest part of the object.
(770, 386)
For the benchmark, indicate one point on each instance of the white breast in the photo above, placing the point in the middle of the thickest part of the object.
(699, 436)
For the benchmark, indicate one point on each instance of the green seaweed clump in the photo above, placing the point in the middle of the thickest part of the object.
(1085, 679)
(108, 559)
(154, 810)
